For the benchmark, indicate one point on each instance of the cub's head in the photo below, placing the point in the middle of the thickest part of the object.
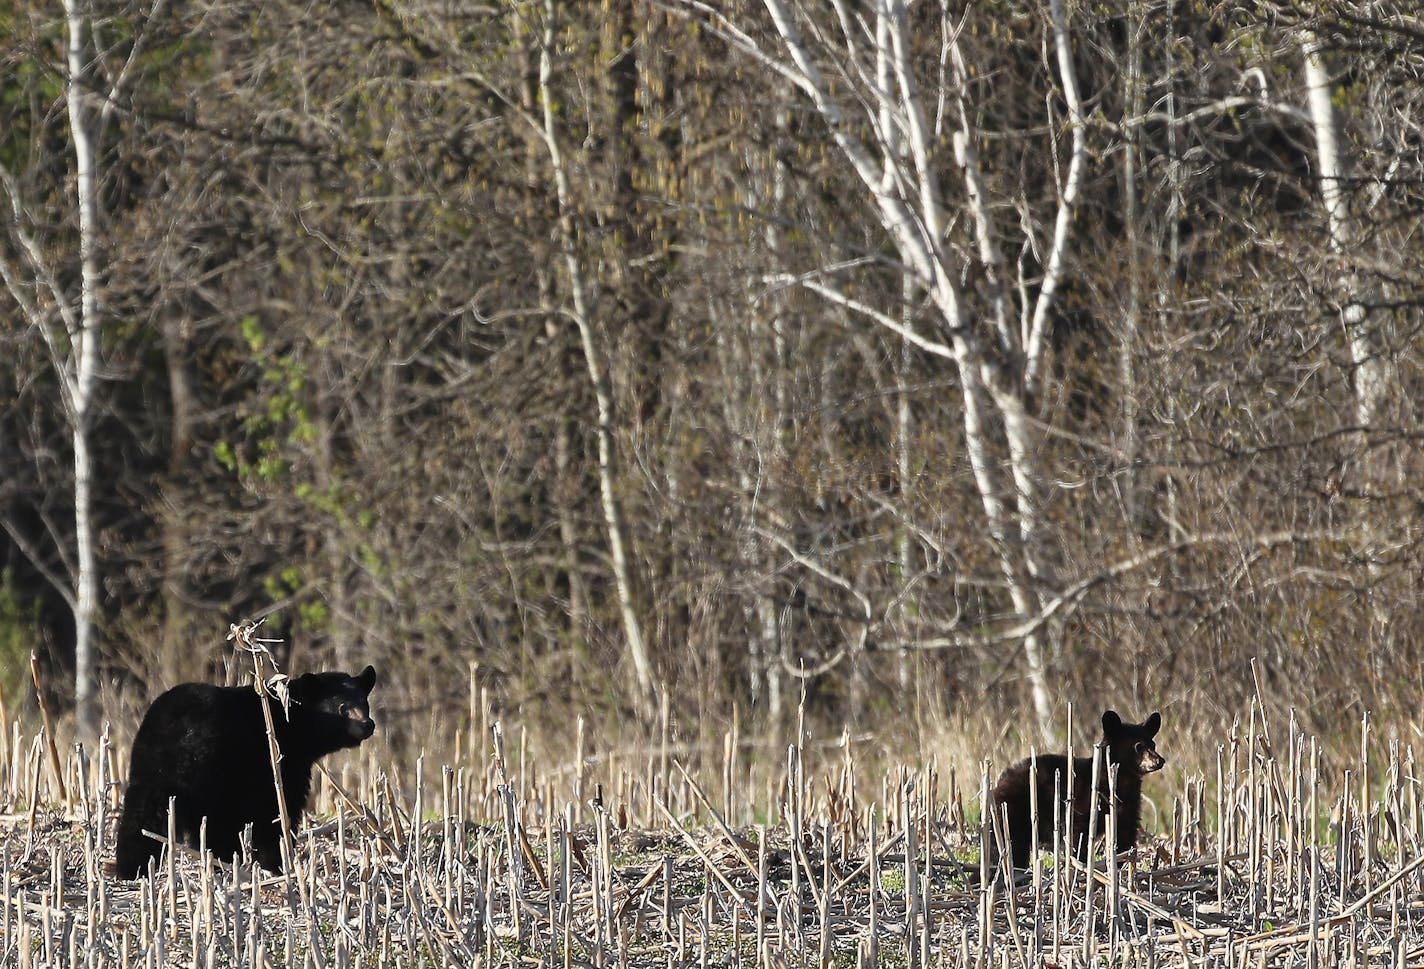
(331, 711)
(1130, 745)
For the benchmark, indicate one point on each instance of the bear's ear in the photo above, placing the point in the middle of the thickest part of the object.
(367, 679)
(1153, 724)
(1111, 722)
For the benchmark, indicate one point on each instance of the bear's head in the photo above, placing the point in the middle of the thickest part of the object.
(1130, 745)
(331, 711)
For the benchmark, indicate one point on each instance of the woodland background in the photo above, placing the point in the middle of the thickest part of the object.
(942, 360)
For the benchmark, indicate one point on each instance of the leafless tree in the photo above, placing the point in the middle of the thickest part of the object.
(37, 283)
(890, 124)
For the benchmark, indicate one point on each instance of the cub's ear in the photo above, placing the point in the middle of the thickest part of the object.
(1111, 722)
(1153, 724)
(367, 679)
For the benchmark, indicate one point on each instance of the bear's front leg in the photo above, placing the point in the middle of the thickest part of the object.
(267, 846)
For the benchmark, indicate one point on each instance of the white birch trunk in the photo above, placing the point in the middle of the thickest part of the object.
(1372, 378)
(1132, 315)
(904, 429)
(1168, 279)
(1368, 352)
(1035, 341)
(612, 516)
(85, 375)
(768, 632)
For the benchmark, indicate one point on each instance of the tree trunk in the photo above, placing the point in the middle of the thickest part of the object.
(86, 375)
(1368, 350)
(1127, 444)
(179, 661)
(904, 428)
(607, 454)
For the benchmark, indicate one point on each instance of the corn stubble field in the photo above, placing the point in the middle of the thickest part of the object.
(761, 854)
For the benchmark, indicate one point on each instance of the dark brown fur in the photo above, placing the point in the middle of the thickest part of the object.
(1128, 745)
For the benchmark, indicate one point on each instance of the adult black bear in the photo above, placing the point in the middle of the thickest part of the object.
(206, 747)
(1128, 745)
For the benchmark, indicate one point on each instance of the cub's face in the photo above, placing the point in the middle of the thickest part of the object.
(1133, 744)
(334, 707)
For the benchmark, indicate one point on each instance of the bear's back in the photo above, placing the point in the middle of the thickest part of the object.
(204, 746)
(195, 733)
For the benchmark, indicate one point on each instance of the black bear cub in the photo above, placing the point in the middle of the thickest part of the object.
(206, 747)
(1128, 745)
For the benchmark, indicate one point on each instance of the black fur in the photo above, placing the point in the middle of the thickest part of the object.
(1128, 745)
(206, 746)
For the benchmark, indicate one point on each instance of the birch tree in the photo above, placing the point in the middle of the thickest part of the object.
(1364, 331)
(82, 375)
(858, 70)
(1368, 352)
(70, 322)
(582, 312)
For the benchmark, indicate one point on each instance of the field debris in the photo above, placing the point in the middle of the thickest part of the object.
(1270, 862)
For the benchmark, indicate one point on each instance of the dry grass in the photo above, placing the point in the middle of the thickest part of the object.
(785, 854)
